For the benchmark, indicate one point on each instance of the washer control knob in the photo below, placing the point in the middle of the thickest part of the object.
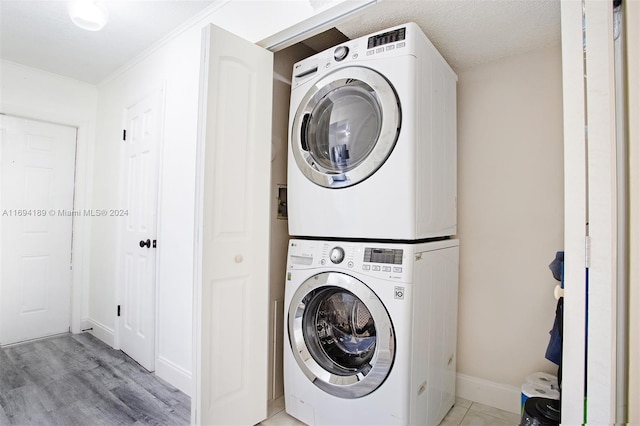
(336, 255)
(340, 53)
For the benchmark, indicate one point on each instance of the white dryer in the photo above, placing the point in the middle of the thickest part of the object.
(372, 140)
(370, 332)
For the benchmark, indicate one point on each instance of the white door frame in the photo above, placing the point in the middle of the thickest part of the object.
(632, 26)
(590, 196)
(80, 244)
(575, 214)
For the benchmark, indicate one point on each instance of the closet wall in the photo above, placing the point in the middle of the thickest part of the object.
(279, 234)
(510, 220)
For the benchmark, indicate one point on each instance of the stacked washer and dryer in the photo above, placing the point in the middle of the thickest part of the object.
(372, 271)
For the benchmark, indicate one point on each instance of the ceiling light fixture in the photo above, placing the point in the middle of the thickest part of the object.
(88, 14)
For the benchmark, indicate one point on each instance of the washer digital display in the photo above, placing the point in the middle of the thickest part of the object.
(379, 255)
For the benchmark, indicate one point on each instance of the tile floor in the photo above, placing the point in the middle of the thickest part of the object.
(463, 413)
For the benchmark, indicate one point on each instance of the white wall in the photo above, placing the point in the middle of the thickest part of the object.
(510, 220)
(35, 94)
(174, 67)
(279, 235)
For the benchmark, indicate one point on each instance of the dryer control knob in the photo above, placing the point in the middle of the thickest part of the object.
(336, 255)
(340, 53)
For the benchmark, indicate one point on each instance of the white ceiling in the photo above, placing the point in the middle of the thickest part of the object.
(40, 34)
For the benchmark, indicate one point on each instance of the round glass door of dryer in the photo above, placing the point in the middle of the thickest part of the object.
(346, 127)
(341, 335)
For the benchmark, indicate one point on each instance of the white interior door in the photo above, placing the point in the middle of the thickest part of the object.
(232, 266)
(139, 213)
(38, 169)
(590, 301)
(632, 25)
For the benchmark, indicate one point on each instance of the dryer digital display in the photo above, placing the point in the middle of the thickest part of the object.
(378, 255)
(386, 38)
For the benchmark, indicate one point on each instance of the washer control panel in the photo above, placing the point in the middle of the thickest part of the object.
(388, 261)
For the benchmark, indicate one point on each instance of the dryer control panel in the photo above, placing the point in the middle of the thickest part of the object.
(387, 44)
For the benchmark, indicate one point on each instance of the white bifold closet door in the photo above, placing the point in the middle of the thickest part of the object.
(232, 253)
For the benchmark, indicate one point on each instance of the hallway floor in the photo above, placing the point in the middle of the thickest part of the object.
(78, 380)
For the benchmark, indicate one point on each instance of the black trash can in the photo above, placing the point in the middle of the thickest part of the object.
(540, 411)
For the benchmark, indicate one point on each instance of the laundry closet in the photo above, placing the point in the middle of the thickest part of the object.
(510, 209)
(514, 160)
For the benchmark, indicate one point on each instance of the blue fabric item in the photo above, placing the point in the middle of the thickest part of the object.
(557, 267)
(554, 348)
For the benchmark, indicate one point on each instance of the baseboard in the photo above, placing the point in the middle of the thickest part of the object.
(498, 395)
(102, 332)
(85, 325)
(174, 375)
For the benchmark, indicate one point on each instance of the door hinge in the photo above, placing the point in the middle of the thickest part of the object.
(118, 310)
(124, 134)
(587, 251)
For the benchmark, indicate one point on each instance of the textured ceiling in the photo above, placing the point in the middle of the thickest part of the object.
(40, 34)
(468, 32)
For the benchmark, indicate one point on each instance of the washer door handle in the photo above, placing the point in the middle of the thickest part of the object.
(303, 132)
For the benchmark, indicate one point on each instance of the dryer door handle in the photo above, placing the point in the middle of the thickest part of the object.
(303, 131)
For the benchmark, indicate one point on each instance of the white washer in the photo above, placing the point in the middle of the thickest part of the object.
(370, 332)
(372, 140)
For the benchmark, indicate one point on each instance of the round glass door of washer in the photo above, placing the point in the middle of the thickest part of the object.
(341, 335)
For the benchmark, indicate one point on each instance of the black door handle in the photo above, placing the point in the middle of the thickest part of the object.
(304, 129)
(145, 243)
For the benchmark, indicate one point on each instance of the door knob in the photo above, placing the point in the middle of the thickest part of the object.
(145, 243)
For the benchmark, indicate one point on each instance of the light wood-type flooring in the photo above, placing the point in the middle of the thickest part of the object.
(78, 380)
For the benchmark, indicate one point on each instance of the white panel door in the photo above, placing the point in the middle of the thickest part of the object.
(602, 285)
(575, 214)
(139, 214)
(38, 169)
(235, 161)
